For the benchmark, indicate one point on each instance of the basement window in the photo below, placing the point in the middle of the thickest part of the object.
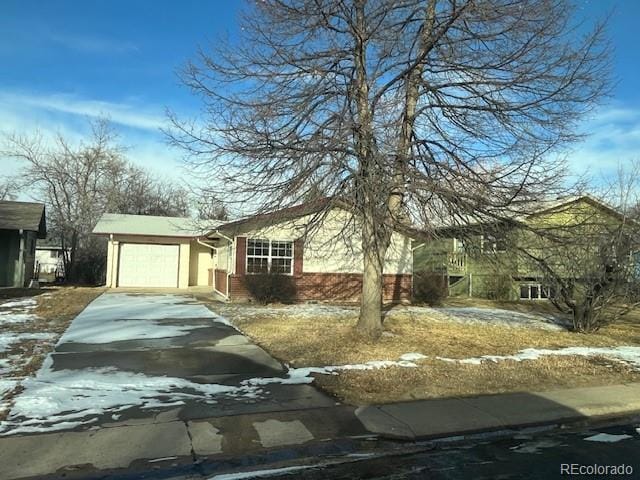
(269, 256)
(533, 291)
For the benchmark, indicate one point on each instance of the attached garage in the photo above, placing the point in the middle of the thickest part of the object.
(148, 265)
(148, 252)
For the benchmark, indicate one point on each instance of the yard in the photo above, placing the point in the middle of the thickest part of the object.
(427, 352)
(31, 321)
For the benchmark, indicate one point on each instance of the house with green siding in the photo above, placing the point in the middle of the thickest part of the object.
(487, 260)
(21, 223)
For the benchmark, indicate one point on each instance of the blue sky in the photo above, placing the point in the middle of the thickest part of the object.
(63, 61)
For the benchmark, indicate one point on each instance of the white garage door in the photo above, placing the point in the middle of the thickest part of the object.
(148, 265)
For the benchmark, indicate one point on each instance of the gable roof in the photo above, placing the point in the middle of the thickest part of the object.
(255, 222)
(122, 224)
(23, 216)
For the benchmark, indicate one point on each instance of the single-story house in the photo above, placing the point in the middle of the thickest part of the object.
(21, 223)
(307, 242)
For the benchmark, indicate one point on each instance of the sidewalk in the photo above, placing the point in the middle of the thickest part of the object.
(164, 441)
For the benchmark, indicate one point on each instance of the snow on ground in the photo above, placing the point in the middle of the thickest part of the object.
(62, 399)
(607, 438)
(467, 315)
(625, 354)
(109, 318)
(69, 398)
(260, 473)
(486, 316)
(26, 303)
(9, 338)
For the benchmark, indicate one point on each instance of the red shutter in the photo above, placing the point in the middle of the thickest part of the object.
(298, 255)
(241, 255)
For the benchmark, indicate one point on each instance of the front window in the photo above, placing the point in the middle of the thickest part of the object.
(274, 256)
(494, 244)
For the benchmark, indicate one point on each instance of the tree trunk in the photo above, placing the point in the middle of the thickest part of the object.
(370, 320)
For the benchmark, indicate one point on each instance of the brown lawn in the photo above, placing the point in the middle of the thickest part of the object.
(304, 340)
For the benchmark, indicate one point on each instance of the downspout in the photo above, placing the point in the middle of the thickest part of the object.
(21, 266)
(412, 272)
(215, 250)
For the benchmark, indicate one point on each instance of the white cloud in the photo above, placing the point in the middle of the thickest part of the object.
(138, 127)
(613, 138)
(129, 115)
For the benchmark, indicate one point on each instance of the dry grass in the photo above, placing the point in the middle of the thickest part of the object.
(55, 312)
(327, 340)
(433, 379)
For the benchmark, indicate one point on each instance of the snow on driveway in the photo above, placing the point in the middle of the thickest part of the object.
(114, 317)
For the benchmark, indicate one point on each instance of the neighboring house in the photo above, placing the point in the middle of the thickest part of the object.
(49, 264)
(325, 261)
(150, 251)
(482, 261)
(21, 223)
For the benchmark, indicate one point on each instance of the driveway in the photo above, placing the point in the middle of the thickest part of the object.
(131, 358)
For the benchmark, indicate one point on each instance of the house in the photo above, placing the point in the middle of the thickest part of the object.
(21, 223)
(49, 261)
(308, 242)
(481, 260)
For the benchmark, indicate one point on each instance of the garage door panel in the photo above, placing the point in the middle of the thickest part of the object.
(148, 265)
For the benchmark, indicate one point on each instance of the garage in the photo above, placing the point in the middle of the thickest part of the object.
(148, 265)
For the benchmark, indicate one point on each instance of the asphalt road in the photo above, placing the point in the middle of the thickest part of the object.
(539, 456)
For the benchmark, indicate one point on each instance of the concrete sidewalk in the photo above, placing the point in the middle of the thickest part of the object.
(427, 419)
(165, 442)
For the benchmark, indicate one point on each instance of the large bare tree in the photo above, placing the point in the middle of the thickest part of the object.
(428, 111)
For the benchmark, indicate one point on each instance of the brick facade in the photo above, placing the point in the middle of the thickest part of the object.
(221, 281)
(340, 287)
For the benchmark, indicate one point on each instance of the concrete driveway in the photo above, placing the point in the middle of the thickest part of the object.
(140, 358)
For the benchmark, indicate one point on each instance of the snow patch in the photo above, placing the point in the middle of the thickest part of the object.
(7, 318)
(77, 397)
(9, 338)
(412, 357)
(114, 317)
(607, 438)
(625, 354)
(26, 303)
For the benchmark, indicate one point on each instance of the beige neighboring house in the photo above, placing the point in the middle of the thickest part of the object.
(150, 251)
(325, 261)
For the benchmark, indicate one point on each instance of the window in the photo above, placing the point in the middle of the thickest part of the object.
(493, 244)
(275, 256)
(533, 291)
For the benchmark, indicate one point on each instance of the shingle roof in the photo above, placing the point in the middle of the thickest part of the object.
(122, 224)
(23, 216)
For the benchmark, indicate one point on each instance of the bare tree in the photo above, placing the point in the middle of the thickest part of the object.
(413, 110)
(79, 183)
(8, 188)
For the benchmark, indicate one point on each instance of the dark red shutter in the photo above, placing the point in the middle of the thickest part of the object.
(298, 255)
(241, 255)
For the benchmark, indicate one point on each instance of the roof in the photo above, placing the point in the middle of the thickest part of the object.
(121, 224)
(23, 216)
(255, 222)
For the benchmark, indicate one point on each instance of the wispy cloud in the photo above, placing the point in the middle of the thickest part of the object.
(93, 44)
(126, 114)
(613, 138)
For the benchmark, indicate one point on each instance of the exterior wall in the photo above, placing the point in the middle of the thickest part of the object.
(9, 257)
(29, 257)
(329, 249)
(200, 263)
(113, 253)
(220, 281)
(327, 265)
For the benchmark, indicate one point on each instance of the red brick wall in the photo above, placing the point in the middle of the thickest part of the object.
(221, 281)
(342, 287)
(241, 255)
